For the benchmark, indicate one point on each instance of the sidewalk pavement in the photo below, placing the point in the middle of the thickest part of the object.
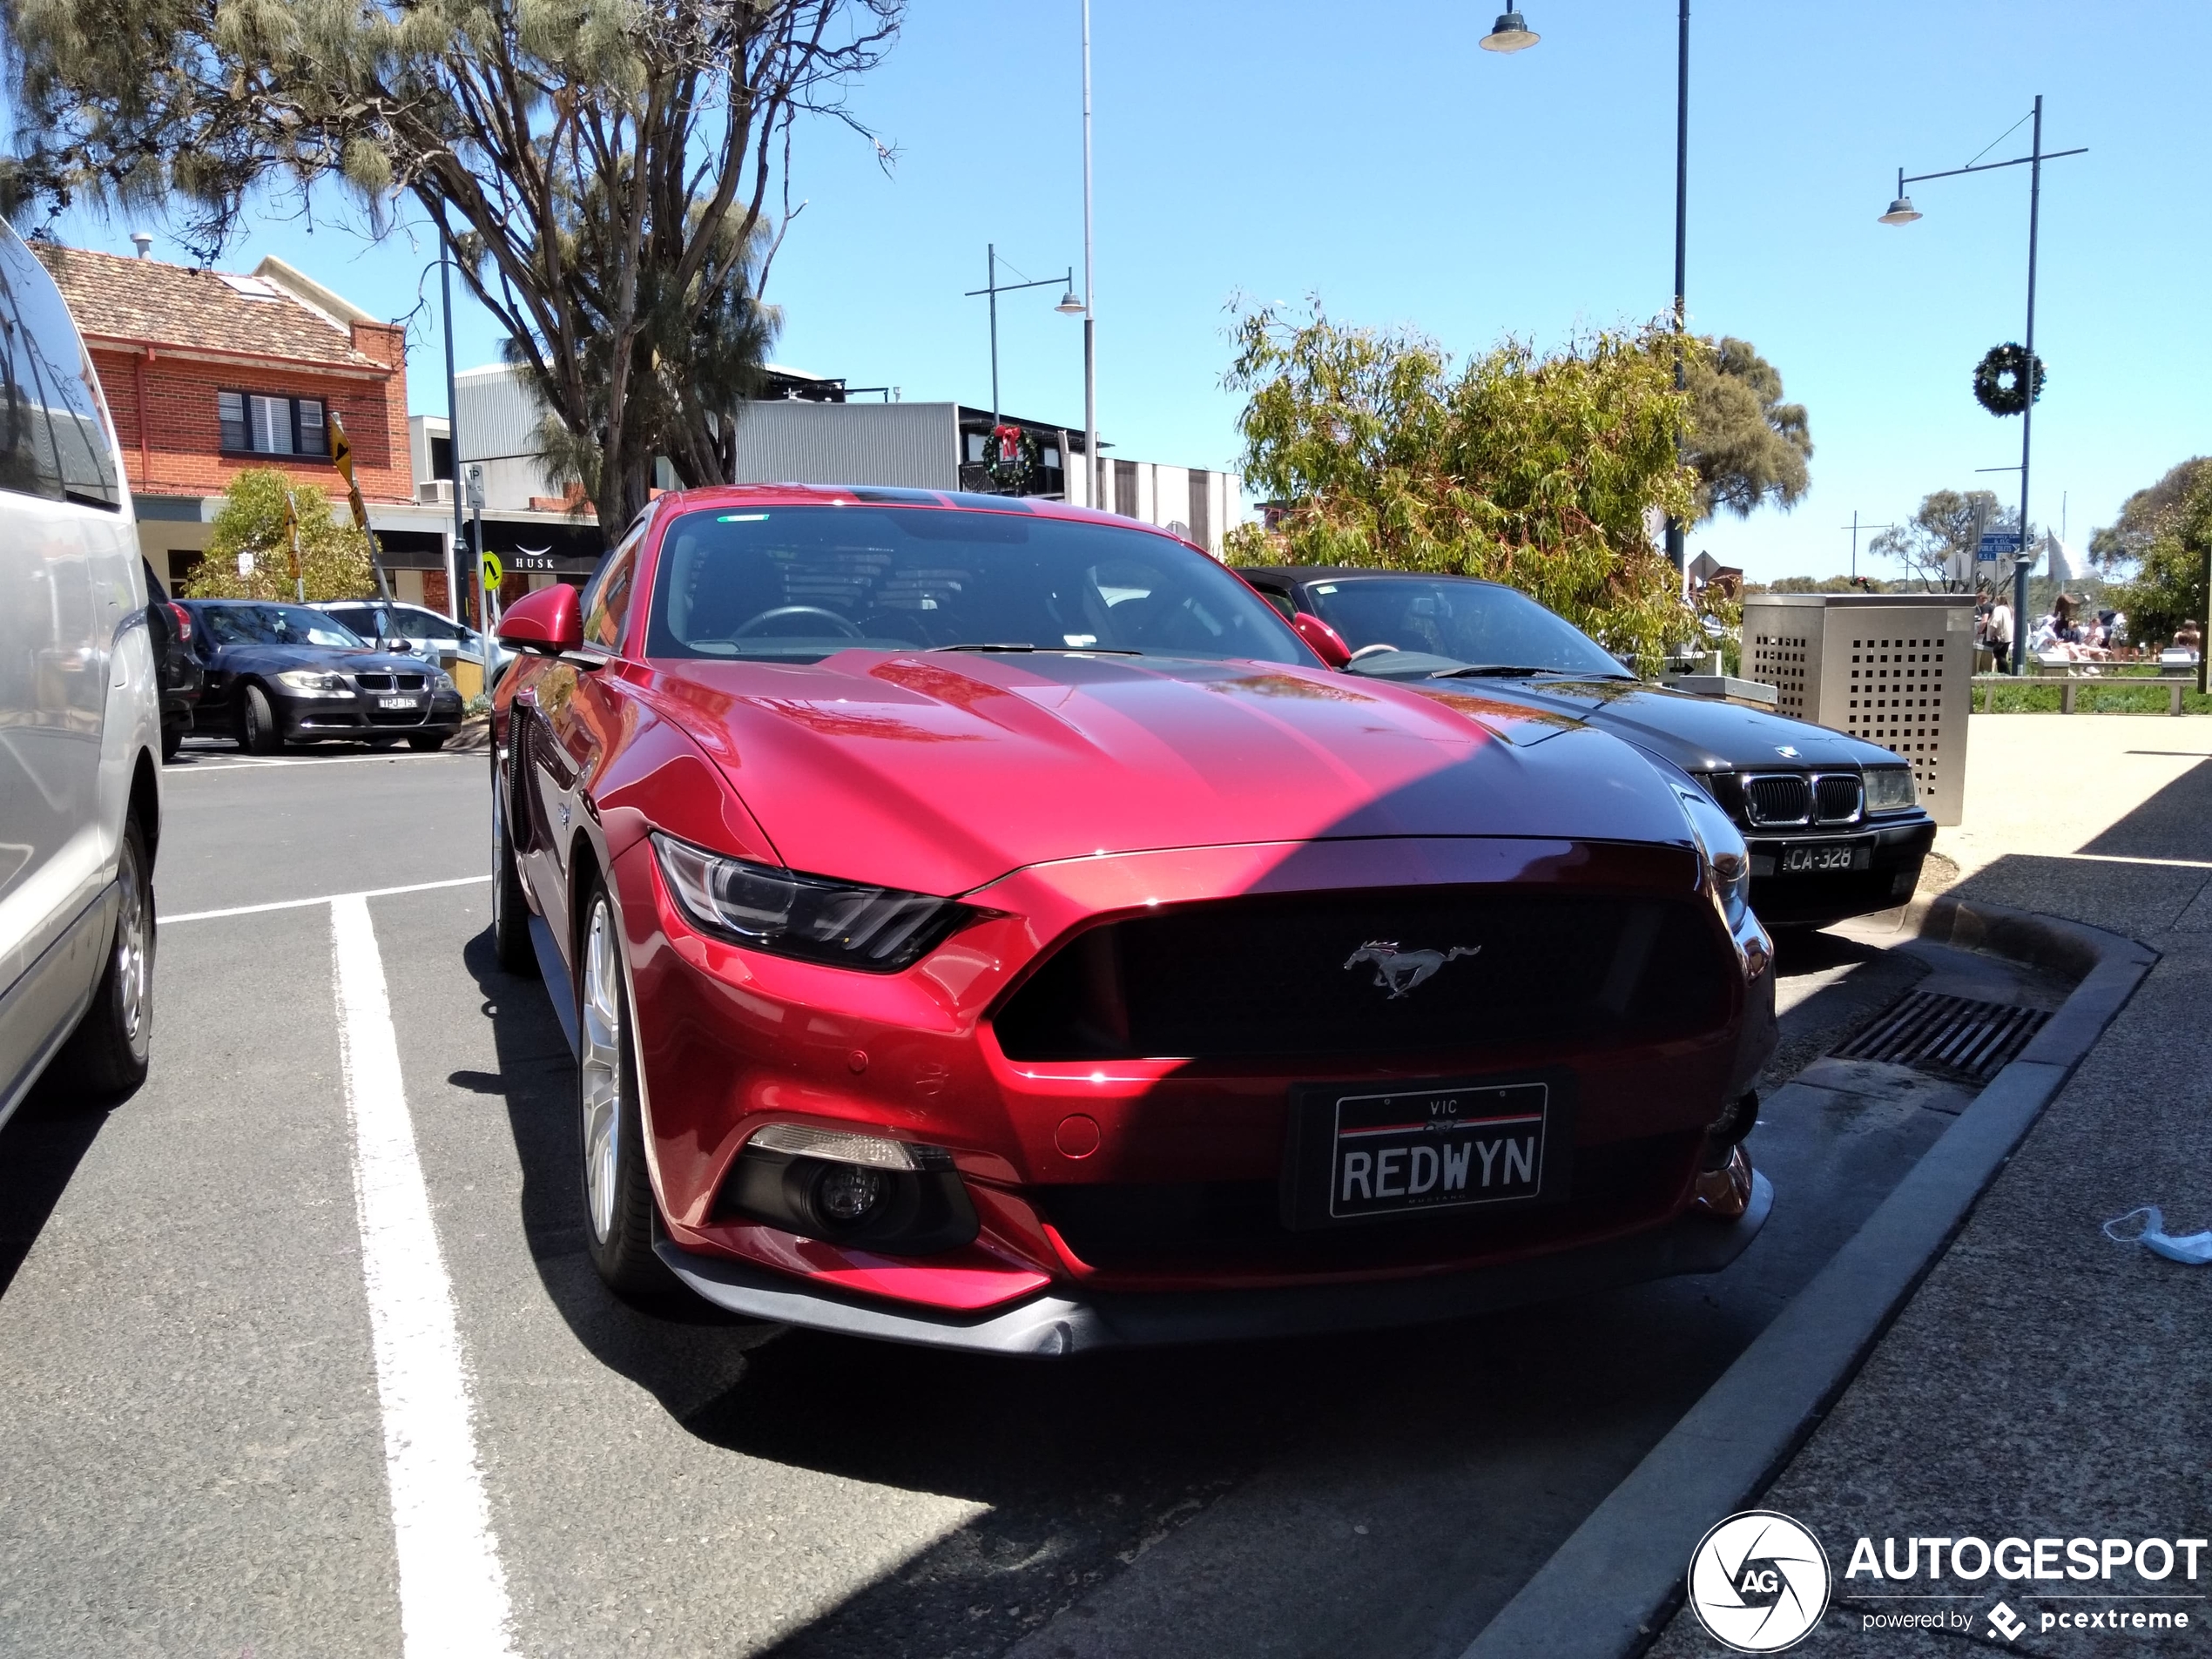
(2045, 1382)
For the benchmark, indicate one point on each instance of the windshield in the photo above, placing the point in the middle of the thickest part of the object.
(1472, 624)
(796, 584)
(272, 624)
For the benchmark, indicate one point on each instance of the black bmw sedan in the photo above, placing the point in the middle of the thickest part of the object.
(285, 673)
(1833, 822)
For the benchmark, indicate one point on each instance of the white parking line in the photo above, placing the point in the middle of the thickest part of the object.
(452, 1594)
(242, 763)
(2123, 857)
(327, 897)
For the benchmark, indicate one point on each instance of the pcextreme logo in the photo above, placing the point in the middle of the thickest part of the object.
(1758, 1581)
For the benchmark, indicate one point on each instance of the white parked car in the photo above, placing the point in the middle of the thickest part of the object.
(386, 622)
(80, 716)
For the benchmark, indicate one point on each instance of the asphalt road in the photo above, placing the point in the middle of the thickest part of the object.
(204, 1405)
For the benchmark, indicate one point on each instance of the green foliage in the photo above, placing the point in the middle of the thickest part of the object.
(601, 167)
(1945, 525)
(1748, 446)
(2167, 587)
(1536, 471)
(2117, 547)
(333, 556)
(1830, 584)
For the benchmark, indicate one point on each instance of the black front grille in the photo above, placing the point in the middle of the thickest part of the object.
(1217, 1224)
(387, 681)
(1383, 972)
(1836, 797)
(1778, 799)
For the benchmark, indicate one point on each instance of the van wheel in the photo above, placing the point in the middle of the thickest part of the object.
(258, 732)
(107, 1053)
(617, 1192)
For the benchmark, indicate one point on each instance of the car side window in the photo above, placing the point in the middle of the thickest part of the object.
(53, 436)
(606, 601)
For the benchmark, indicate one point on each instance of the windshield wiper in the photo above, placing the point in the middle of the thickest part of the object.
(1496, 671)
(1088, 651)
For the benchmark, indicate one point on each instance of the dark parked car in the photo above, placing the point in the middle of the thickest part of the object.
(1833, 822)
(169, 625)
(286, 673)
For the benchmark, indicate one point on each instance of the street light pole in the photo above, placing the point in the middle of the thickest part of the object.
(991, 287)
(453, 437)
(1511, 33)
(1676, 552)
(1903, 213)
(2028, 408)
(1069, 305)
(1091, 300)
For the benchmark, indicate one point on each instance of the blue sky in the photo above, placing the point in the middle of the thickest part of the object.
(1378, 159)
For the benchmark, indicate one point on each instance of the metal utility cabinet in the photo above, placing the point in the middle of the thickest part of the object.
(1896, 669)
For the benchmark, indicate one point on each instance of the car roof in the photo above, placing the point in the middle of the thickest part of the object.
(894, 495)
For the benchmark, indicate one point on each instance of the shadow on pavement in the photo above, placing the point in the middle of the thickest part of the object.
(40, 1148)
(2176, 823)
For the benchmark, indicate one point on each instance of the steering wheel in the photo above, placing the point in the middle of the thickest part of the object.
(843, 624)
(1369, 651)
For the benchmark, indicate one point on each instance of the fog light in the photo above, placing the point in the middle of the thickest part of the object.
(848, 1193)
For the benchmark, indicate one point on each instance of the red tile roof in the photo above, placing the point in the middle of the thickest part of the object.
(115, 297)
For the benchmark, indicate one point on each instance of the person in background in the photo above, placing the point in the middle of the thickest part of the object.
(2001, 632)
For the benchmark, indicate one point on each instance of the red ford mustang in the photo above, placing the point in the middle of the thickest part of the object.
(988, 923)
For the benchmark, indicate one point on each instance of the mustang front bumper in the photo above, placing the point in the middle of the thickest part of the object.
(1053, 1324)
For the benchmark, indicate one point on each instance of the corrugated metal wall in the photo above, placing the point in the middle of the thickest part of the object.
(913, 445)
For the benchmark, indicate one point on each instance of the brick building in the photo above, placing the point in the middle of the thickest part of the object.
(208, 372)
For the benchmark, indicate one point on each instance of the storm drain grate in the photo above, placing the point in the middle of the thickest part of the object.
(1954, 1035)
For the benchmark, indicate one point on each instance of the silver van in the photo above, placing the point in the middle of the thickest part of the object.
(80, 716)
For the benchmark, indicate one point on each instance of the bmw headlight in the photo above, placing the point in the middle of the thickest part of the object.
(1890, 789)
(843, 923)
(1727, 862)
(441, 681)
(312, 682)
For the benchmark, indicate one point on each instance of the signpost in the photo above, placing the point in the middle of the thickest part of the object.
(1995, 545)
(341, 456)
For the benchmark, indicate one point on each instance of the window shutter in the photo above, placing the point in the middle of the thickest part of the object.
(273, 425)
(313, 441)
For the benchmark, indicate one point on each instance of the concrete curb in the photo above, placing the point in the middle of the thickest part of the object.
(1610, 1588)
(474, 736)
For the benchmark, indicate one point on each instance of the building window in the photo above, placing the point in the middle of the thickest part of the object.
(256, 424)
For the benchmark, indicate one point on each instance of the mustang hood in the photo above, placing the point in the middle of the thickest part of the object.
(942, 772)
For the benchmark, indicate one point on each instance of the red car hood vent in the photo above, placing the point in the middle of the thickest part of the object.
(939, 772)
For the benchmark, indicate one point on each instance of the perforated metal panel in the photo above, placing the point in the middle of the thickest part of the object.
(1891, 668)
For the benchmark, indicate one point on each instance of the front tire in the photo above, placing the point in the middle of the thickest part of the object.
(173, 743)
(108, 1053)
(617, 1190)
(428, 742)
(258, 733)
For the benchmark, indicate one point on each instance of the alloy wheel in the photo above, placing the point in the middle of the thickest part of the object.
(600, 1068)
(133, 955)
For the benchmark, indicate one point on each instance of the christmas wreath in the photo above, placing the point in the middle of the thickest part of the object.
(2001, 380)
(1011, 458)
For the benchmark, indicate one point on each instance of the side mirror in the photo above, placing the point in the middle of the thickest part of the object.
(547, 622)
(1328, 645)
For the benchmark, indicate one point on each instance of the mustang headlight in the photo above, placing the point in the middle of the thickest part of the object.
(1727, 862)
(879, 929)
(313, 681)
(1890, 789)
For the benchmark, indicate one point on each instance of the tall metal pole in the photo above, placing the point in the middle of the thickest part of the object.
(991, 285)
(1092, 493)
(2027, 410)
(1675, 549)
(453, 436)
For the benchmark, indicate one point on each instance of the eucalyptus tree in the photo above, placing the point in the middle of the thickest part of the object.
(602, 168)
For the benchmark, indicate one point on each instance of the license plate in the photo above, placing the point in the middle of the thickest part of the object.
(395, 703)
(1797, 860)
(1424, 1148)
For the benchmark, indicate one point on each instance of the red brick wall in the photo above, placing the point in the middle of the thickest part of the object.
(182, 453)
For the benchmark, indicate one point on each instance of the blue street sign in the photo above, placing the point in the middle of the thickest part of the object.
(1995, 545)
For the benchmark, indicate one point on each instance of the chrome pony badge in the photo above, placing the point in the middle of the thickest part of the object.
(1399, 971)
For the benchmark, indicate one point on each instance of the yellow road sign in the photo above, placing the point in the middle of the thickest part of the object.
(492, 572)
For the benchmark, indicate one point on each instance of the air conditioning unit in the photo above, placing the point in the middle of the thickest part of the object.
(434, 492)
